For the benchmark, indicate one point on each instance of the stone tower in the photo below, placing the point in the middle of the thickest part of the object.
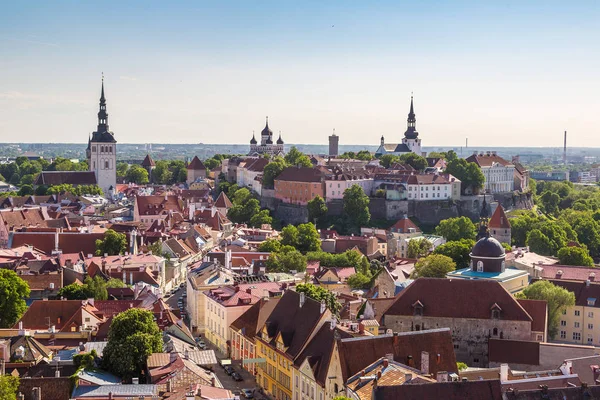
(334, 141)
(102, 150)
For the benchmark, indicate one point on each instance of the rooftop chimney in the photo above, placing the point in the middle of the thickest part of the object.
(302, 299)
(323, 306)
(503, 372)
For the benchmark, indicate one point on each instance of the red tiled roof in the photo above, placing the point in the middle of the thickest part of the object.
(67, 242)
(471, 390)
(568, 272)
(499, 219)
(155, 205)
(538, 310)
(24, 217)
(66, 177)
(254, 318)
(196, 164)
(582, 291)
(443, 297)
(148, 161)
(403, 225)
(230, 296)
(487, 160)
(514, 351)
(59, 312)
(300, 174)
(357, 353)
(223, 201)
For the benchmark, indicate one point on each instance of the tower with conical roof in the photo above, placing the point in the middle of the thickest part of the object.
(102, 150)
(411, 136)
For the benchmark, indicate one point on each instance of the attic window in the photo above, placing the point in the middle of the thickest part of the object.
(418, 308)
(496, 312)
(591, 301)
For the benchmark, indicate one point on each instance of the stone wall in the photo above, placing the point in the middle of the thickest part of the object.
(291, 214)
(469, 334)
(268, 200)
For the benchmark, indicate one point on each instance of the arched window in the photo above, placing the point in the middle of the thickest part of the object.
(479, 266)
(106, 164)
(495, 332)
(110, 149)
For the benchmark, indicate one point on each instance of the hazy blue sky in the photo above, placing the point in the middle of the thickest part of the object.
(499, 73)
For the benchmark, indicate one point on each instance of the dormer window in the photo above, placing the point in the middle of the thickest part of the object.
(418, 308)
(591, 301)
(496, 311)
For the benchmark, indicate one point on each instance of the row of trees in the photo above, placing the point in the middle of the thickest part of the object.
(96, 288)
(246, 208)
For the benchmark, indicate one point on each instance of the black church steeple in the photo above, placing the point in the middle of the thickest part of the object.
(102, 114)
(411, 129)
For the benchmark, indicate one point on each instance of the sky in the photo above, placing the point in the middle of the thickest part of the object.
(498, 73)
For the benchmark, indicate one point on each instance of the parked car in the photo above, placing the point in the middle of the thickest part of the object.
(248, 393)
(182, 284)
(229, 370)
(236, 376)
(202, 345)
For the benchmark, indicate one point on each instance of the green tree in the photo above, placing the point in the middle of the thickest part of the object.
(433, 266)
(211, 163)
(468, 173)
(73, 291)
(308, 238)
(387, 160)
(272, 171)
(137, 174)
(317, 210)
(286, 260)
(414, 160)
(455, 229)
(96, 288)
(294, 157)
(9, 386)
(161, 173)
(122, 168)
(132, 337)
(550, 202)
(319, 293)
(260, 218)
(26, 190)
(418, 248)
(27, 179)
(458, 251)
(113, 243)
(539, 243)
(557, 298)
(356, 206)
(575, 256)
(461, 366)
(290, 236)
(359, 281)
(13, 291)
(270, 245)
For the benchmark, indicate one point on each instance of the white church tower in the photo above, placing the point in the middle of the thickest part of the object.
(102, 151)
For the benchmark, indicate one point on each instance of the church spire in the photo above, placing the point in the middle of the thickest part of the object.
(102, 114)
(411, 129)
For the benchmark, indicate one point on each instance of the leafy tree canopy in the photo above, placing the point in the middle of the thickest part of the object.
(113, 243)
(557, 298)
(433, 266)
(454, 229)
(132, 337)
(319, 293)
(13, 291)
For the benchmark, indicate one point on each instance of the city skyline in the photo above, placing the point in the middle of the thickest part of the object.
(193, 73)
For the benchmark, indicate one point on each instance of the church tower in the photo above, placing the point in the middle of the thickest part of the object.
(411, 136)
(102, 150)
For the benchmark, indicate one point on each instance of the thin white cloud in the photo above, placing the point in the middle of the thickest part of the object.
(37, 42)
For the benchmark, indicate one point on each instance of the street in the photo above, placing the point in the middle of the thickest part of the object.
(227, 381)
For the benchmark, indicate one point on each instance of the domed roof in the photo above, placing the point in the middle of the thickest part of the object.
(269, 140)
(488, 247)
(253, 140)
(267, 131)
(280, 141)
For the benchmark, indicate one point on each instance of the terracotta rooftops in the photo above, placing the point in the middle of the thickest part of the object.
(156, 205)
(300, 174)
(406, 347)
(250, 322)
(196, 164)
(231, 296)
(223, 201)
(499, 220)
(66, 177)
(404, 225)
(441, 297)
(488, 159)
(148, 161)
